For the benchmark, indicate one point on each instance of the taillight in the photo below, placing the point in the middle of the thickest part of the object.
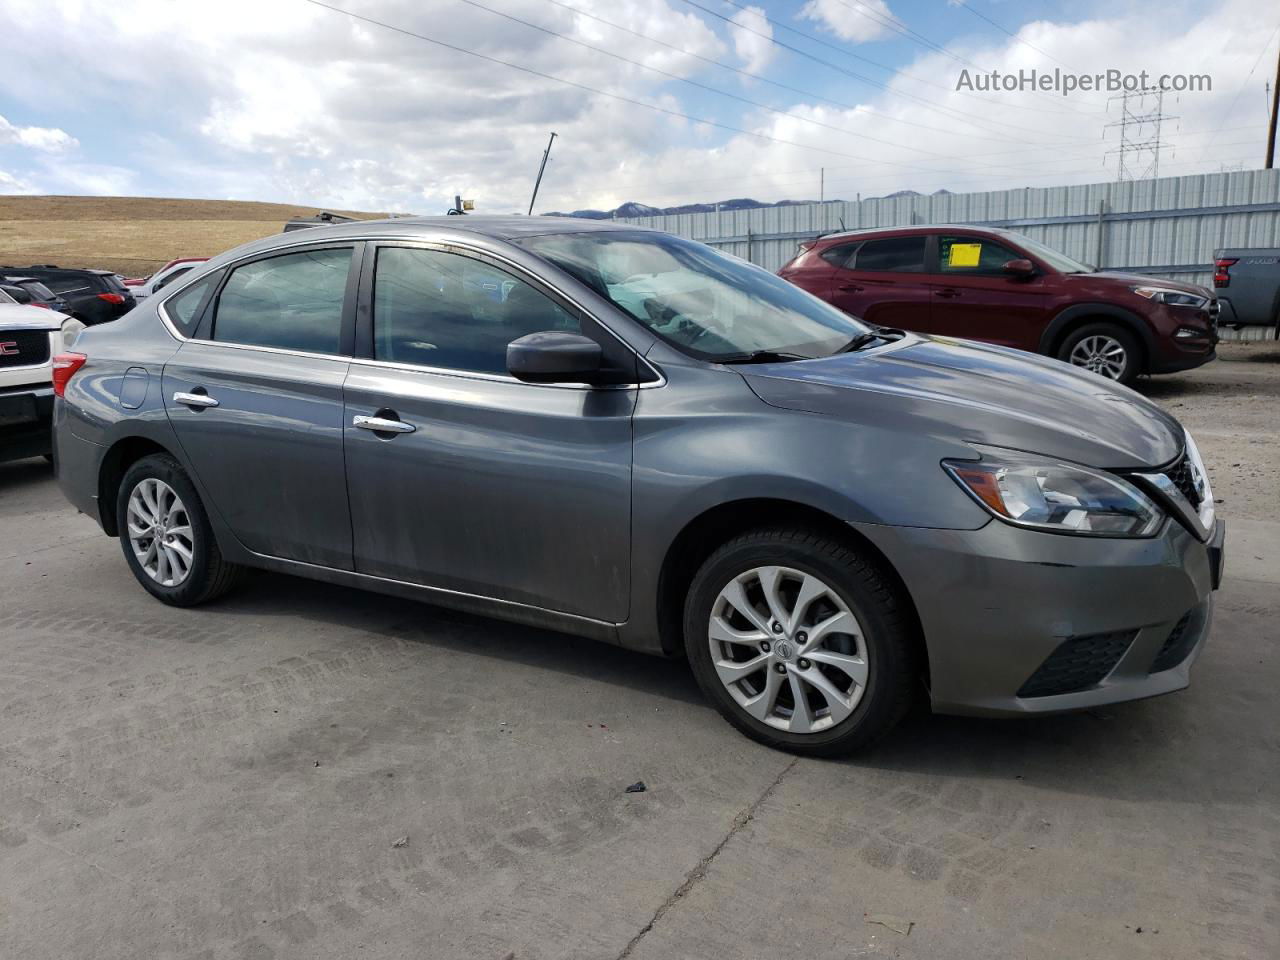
(45, 305)
(65, 366)
(1222, 271)
(111, 298)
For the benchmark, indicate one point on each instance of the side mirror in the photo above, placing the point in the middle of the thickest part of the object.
(554, 356)
(1022, 269)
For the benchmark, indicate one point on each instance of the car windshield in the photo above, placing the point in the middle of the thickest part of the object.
(1054, 258)
(707, 303)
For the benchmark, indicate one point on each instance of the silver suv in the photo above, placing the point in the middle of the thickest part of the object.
(633, 437)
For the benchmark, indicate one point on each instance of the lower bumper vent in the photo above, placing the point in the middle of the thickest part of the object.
(1078, 664)
(1176, 648)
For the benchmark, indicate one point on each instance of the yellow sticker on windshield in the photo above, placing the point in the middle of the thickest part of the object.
(964, 255)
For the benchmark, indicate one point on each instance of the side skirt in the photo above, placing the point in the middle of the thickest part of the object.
(454, 599)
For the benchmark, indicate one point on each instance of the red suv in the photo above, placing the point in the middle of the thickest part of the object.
(1007, 289)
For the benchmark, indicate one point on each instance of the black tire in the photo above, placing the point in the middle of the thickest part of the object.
(890, 649)
(1133, 356)
(210, 575)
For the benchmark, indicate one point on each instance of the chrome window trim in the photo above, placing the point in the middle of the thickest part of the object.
(167, 321)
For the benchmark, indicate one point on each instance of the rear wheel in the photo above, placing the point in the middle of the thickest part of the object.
(166, 536)
(1105, 349)
(800, 642)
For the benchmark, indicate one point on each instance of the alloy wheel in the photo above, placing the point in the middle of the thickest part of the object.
(1101, 354)
(788, 649)
(160, 532)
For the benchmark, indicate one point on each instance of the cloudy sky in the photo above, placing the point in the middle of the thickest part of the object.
(399, 104)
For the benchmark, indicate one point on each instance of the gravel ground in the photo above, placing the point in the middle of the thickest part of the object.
(306, 771)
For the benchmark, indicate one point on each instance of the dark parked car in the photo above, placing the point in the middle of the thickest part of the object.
(1247, 282)
(1004, 288)
(31, 291)
(633, 437)
(92, 296)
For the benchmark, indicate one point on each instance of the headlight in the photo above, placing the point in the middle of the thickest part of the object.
(1058, 497)
(70, 330)
(1174, 298)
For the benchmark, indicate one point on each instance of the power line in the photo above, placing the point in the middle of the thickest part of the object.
(1248, 76)
(701, 86)
(582, 86)
(949, 112)
(764, 79)
(896, 25)
(856, 56)
(1005, 30)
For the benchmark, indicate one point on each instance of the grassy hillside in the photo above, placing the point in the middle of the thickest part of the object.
(135, 235)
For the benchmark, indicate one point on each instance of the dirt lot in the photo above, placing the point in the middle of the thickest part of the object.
(134, 235)
(305, 771)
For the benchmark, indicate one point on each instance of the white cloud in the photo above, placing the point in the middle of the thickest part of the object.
(856, 21)
(294, 103)
(752, 44)
(12, 184)
(48, 139)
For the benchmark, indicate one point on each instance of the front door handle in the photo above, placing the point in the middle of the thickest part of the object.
(947, 292)
(382, 425)
(851, 287)
(197, 400)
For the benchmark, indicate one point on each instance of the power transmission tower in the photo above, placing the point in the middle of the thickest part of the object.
(1138, 155)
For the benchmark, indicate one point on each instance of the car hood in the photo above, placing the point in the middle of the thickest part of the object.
(22, 316)
(1137, 279)
(961, 390)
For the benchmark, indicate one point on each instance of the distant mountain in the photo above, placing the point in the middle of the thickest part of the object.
(633, 209)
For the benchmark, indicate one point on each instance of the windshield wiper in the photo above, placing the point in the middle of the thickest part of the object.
(860, 341)
(760, 356)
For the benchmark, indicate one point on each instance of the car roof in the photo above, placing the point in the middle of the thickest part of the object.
(493, 227)
(922, 229)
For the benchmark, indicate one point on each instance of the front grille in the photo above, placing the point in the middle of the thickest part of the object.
(1180, 474)
(1178, 645)
(23, 348)
(1078, 664)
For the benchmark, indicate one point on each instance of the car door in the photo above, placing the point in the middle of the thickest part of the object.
(972, 295)
(477, 482)
(883, 282)
(255, 398)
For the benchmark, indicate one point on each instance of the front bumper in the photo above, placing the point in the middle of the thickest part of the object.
(1125, 618)
(26, 413)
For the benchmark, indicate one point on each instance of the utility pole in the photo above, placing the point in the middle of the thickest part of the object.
(822, 184)
(543, 166)
(1133, 124)
(1275, 108)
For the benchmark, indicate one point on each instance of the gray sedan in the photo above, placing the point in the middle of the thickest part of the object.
(633, 437)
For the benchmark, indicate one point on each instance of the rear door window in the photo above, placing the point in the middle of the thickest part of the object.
(290, 302)
(892, 255)
(69, 284)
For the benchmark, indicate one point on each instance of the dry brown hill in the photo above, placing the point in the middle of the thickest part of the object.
(134, 235)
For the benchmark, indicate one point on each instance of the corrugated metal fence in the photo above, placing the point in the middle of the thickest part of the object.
(1167, 227)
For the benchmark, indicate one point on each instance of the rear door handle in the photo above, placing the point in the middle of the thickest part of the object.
(199, 400)
(947, 292)
(382, 425)
(851, 287)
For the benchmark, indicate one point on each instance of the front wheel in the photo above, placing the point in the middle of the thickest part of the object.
(800, 642)
(166, 536)
(1105, 349)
